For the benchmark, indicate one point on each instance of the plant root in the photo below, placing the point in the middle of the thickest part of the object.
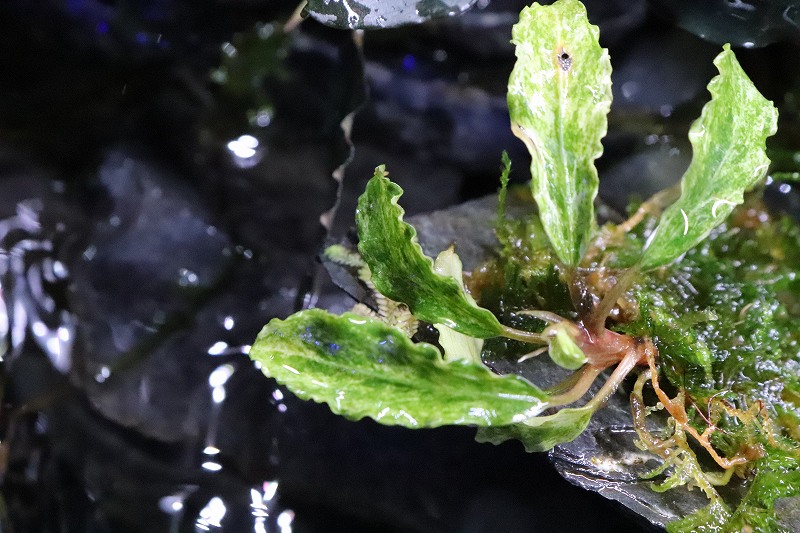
(574, 387)
(677, 410)
(673, 450)
(524, 336)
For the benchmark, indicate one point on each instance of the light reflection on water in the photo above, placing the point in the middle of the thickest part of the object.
(27, 268)
(246, 151)
(31, 316)
(211, 515)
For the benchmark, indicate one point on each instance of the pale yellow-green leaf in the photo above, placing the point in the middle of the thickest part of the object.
(456, 345)
(564, 351)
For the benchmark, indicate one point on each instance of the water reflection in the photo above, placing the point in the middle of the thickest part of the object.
(285, 520)
(217, 380)
(28, 276)
(262, 504)
(211, 515)
(246, 151)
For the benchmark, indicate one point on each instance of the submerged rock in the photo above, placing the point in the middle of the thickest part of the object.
(604, 458)
(739, 22)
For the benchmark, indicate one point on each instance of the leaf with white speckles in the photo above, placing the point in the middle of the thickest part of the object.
(729, 157)
(363, 367)
(403, 273)
(559, 94)
(366, 14)
(541, 433)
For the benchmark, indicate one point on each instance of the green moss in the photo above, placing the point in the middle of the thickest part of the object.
(725, 320)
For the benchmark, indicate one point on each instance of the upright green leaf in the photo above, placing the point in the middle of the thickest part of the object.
(559, 95)
(363, 367)
(728, 141)
(401, 272)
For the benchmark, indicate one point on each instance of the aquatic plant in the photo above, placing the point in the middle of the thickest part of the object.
(697, 292)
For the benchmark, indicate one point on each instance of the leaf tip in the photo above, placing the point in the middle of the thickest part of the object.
(380, 171)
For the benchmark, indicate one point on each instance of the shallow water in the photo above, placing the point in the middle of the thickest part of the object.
(163, 170)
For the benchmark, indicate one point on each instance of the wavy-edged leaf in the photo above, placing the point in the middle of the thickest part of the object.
(559, 94)
(541, 433)
(365, 14)
(361, 367)
(403, 273)
(728, 141)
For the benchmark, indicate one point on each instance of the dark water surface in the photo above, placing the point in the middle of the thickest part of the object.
(163, 169)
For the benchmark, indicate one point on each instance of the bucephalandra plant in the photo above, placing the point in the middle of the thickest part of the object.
(697, 292)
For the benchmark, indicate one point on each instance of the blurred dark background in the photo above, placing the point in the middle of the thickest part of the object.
(164, 165)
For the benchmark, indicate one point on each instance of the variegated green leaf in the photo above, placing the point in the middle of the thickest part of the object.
(559, 95)
(455, 345)
(729, 157)
(363, 367)
(401, 272)
(541, 433)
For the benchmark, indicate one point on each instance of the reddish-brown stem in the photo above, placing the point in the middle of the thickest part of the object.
(624, 367)
(602, 351)
(653, 206)
(295, 19)
(678, 413)
(604, 347)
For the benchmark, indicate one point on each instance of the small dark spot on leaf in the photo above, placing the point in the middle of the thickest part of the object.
(565, 60)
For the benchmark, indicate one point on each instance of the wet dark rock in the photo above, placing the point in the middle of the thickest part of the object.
(666, 68)
(617, 19)
(656, 163)
(739, 22)
(154, 245)
(159, 290)
(605, 459)
(383, 13)
(149, 260)
(436, 118)
(469, 226)
(163, 423)
(789, 511)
